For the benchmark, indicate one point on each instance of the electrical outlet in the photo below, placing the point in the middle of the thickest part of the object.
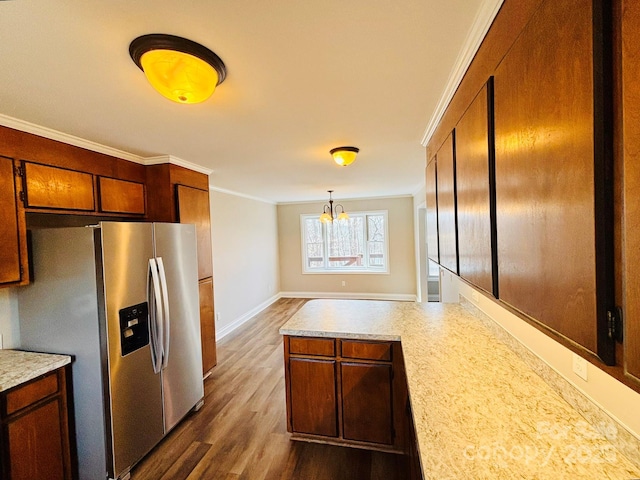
(1, 344)
(580, 366)
(344, 283)
(217, 316)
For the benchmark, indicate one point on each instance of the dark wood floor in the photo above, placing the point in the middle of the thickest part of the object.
(240, 432)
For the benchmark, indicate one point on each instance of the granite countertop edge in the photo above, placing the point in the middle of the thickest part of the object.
(18, 367)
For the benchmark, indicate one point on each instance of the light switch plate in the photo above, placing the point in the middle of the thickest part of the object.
(580, 367)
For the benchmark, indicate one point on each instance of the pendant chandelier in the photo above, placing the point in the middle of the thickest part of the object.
(329, 214)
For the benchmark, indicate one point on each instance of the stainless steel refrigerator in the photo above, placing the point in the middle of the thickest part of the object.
(122, 298)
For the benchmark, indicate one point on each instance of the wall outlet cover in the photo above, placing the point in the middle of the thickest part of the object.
(580, 367)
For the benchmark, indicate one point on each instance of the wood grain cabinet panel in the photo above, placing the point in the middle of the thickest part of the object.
(473, 184)
(631, 184)
(447, 224)
(432, 212)
(207, 325)
(9, 233)
(57, 188)
(324, 347)
(545, 151)
(366, 350)
(193, 207)
(367, 412)
(121, 196)
(313, 408)
(34, 433)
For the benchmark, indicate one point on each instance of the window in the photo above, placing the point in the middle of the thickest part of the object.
(358, 244)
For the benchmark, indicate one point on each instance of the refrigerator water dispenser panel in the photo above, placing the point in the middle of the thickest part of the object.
(134, 328)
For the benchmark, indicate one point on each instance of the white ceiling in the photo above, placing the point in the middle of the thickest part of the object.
(304, 76)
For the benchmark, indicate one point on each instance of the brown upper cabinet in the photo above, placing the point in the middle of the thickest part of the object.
(57, 188)
(566, 131)
(548, 160)
(193, 207)
(474, 165)
(432, 212)
(446, 190)
(121, 196)
(12, 231)
(631, 185)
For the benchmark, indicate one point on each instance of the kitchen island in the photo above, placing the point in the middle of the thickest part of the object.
(478, 410)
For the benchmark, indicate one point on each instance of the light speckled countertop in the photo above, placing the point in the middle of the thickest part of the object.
(479, 411)
(17, 367)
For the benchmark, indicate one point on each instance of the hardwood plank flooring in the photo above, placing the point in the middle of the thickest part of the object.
(240, 433)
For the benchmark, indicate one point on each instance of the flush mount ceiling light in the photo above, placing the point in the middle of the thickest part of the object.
(344, 155)
(182, 70)
(329, 214)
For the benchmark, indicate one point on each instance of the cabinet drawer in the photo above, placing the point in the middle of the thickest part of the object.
(366, 350)
(121, 196)
(312, 346)
(51, 187)
(32, 392)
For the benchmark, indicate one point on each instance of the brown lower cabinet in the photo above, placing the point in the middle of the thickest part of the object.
(207, 325)
(34, 441)
(347, 392)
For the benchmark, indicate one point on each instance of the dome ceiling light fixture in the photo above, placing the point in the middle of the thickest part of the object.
(329, 214)
(344, 156)
(180, 69)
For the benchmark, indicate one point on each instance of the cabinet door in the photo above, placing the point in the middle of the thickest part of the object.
(631, 185)
(121, 196)
(36, 444)
(447, 226)
(207, 325)
(313, 407)
(57, 188)
(551, 220)
(9, 233)
(474, 158)
(432, 212)
(193, 207)
(367, 413)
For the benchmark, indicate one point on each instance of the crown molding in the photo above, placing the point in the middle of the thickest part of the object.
(176, 161)
(56, 135)
(243, 195)
(51, 134)
(479, 29)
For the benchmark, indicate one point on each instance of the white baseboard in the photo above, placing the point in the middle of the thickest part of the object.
(238, 322)
(351, 296)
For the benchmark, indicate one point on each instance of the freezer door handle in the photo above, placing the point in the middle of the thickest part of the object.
(166, 316)
(155, 315)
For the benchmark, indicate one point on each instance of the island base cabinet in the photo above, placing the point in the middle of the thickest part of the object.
(346, 392)
(367, 414)
(313, 396)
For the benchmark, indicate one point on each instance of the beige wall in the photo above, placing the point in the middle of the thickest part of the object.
(245, 258)
(9, 324)
(399, 283)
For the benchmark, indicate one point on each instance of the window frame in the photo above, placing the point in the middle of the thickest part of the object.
(342, 270)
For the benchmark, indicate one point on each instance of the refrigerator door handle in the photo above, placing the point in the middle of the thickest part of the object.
(167, 317)
(155, 316)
